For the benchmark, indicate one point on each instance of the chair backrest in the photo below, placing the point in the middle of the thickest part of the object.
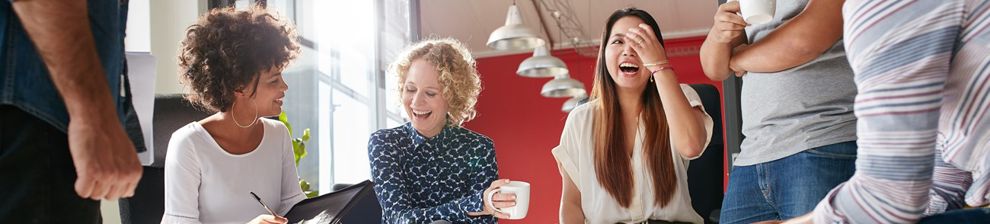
(148, 204)
(171, 113)
(705, 173)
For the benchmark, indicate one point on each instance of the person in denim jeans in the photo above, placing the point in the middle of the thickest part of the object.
(797, 107)
(62, 142)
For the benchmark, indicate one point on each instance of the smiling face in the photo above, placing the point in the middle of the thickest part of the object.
(422, 98)
(269, 93)
(622, 62)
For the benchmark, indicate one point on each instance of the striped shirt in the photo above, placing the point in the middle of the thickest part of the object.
(923, 75)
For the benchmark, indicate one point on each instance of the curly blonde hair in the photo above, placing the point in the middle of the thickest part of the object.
(458, 76)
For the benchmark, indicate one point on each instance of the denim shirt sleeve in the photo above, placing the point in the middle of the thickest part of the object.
(24, 79)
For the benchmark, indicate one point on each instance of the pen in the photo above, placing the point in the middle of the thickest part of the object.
(263, 204)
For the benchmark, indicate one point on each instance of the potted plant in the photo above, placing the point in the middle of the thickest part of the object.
(298, 152)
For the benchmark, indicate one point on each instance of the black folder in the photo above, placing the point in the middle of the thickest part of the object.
(354, 204)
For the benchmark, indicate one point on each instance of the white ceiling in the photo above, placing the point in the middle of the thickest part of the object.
(471, 21)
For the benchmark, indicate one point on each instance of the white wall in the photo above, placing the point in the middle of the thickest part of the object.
(138, 26)
(169, 20)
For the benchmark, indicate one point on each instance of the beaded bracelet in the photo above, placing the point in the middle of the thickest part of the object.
(662, 66)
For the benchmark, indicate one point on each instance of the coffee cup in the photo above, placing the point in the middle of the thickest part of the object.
(521, 190)
(757, 11)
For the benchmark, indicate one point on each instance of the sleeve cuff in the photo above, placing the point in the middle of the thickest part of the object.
(566, 161)
(824, 212)
(695, 101)
(473, 203)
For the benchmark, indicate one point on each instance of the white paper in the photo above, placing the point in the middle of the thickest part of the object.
(141, 72)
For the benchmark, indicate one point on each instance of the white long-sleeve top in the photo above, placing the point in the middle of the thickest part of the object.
(205, 184)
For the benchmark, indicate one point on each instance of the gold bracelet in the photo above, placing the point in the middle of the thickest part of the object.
(657, 64)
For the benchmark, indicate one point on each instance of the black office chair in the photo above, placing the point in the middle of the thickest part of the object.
(148, 204)
(705, 173)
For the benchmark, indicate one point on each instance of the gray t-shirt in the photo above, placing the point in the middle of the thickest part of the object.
(804, 107)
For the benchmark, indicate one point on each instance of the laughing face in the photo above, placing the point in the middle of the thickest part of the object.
(622, 62)
(422, 98)
(268, 96)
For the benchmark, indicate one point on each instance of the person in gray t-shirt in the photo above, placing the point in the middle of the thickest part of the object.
(797, 107)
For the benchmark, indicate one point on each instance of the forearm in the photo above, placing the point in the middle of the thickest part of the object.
(570, 212)
(715, 59)
(688, 131)
(455, 211)
(61, 34)
(797, 41)
(769, 57)
(570, 200)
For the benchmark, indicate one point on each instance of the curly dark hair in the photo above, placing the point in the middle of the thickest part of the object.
(227, 49)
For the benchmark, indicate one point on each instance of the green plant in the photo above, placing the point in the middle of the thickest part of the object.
(298, 152)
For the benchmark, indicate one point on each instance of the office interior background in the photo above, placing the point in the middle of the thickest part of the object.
(341, 92)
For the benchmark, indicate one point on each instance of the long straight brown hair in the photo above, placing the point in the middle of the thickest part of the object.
(612, 164)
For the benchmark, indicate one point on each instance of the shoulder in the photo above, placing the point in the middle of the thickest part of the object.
(190, 134)
(385, 141)
(586, 109)
(386, 135)
(469, 136)
(275, 126)
(581, 116)
(184, 142)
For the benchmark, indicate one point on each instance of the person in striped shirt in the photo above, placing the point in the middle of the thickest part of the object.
(923, 74)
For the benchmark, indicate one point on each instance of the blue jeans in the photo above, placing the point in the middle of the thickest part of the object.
(969, 215)
(787, 187)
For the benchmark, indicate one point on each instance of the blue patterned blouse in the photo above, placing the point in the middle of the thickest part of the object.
(420, 180)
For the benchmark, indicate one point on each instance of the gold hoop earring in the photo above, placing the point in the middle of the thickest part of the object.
(232, 117)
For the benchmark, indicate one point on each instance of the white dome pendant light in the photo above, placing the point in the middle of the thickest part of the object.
(542, 65)
(514, 35)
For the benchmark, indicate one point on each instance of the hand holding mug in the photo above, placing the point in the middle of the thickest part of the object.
(494, 200)
(508, 199)
(729, 25)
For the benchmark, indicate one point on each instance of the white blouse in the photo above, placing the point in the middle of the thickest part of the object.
(576, 155)
(206, 184)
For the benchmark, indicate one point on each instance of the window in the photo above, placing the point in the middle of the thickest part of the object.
(338, 87)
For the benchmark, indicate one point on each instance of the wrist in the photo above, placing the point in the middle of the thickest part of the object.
(94, 116)
(658, 67)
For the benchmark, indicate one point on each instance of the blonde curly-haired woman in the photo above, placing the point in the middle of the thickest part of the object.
(432, 169)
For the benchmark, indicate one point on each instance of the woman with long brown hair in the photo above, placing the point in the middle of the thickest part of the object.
(623, 155)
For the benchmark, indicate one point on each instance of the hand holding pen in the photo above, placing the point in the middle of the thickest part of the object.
(272, 218)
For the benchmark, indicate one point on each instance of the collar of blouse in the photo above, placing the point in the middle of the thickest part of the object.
(419, 139)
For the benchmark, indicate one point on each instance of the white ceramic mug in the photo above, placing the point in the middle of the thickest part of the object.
(757, 11)
(521, 189)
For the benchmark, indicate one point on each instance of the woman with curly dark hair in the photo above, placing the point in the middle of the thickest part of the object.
(232, 62)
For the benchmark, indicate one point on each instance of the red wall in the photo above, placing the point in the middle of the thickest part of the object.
(526, 126)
